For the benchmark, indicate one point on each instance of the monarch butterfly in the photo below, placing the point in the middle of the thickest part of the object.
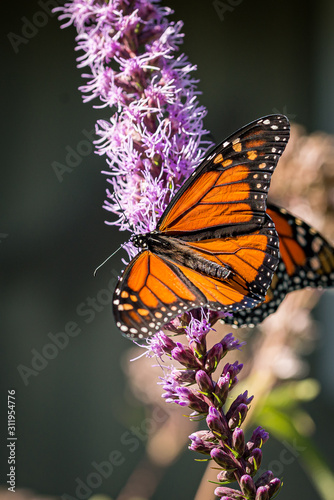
(307, 260)
(214, 246)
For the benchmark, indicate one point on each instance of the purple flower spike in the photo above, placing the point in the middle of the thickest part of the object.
(198, 328)
(224, 441)
(155, 138)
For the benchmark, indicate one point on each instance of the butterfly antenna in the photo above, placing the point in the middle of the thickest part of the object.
(123, 213)
(98, 267)
(130, 225)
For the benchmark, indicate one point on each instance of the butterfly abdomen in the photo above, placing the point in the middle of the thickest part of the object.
(180, 253)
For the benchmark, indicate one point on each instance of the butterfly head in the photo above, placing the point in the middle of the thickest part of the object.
(139, 240)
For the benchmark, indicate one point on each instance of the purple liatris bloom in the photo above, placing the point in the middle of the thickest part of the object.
(155, 137)
(194, 385)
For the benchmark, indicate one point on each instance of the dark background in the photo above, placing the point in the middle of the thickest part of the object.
(263, 57)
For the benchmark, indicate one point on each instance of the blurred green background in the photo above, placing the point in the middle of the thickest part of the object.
(263, 57)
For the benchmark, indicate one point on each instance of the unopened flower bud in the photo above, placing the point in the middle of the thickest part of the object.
(204, 382)
(238, 416)
(223, 459)
(213, 357)
(184, 376)
(216, 423)
(188, 398)
(242, 398)
(264, 479)
(167, 343)
(233, 370)
(259, 437)
(228, 493)
(229, 343)
(238, 441)
(274, 486)
(184, 355)
(225, 476)
(255, 458)
(247, 486)
(262, 493)
(201, 442)
(222, 388)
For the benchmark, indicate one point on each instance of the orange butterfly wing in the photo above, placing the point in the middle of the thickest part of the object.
(149, 294)
(307, 260)
(229, 190)
(154, 289)
(252, 258)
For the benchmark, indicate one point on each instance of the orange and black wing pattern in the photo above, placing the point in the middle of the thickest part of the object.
(227, 193)
(214, 245)
(307, 260)
(154, 289)
(249, 262)
(150, 293)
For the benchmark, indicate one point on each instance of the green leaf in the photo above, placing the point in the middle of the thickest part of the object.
(290, 394)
